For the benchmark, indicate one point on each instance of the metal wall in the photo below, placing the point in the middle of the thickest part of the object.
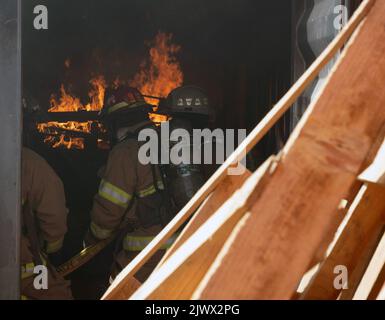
(10, 147)
(313, 26)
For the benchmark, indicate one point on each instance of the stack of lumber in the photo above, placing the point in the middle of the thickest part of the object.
(318, 205)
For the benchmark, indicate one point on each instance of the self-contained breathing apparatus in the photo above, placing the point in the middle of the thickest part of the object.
(188, 109)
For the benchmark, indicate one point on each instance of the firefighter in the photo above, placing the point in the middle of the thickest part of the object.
(130, 200)
(44, 224)
(188, 109)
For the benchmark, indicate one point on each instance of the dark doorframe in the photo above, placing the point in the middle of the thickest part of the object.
(10, 147)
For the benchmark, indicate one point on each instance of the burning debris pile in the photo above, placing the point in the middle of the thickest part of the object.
(157, 76)
(62, 133)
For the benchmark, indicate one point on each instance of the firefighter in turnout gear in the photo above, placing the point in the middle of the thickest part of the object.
(44, 224)
(188, 109)
(130, 200)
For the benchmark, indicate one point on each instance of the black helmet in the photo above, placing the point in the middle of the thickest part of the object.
(124, 99)
(185, 100)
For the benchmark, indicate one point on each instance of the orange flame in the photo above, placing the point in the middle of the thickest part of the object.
(163, 73)
(75, 143)
(68, 103)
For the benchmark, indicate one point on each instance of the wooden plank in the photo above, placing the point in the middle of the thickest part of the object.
(223, 192)
(378, 286)
(381, 295)
(341, 212)
(372, 272)
(319, 165)
(354, 247)
(188, 264)
(130, 286)
(179, 275)
(372, 162)
(69, 116)
(255, 136)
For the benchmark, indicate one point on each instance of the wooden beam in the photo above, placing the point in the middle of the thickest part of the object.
(355, 246)
(373, 271)
(378, 286)
(181, 273)
(68, 116)
(381, 295)
(252, 139)
(319, 165)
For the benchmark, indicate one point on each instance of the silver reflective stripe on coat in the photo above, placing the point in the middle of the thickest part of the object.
(114, 194)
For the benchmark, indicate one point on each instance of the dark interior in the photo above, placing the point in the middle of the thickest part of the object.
(239, 51)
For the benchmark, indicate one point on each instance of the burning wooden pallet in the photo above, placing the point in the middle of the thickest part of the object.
(255, 236)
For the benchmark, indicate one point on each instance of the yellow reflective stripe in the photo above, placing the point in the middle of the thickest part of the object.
(23, 297)
(114, 194)
(150, 190)
(25, 275)
(27, 269)
(54, 245)
(100, 232)
(146, 192)
(109, 186)
(138, 243)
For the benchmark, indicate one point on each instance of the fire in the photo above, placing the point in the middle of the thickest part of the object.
(68, 103)
(157, 76)
(52, 126)
(161, 74)
(56, 133)
(96, 94)
(76, 143)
